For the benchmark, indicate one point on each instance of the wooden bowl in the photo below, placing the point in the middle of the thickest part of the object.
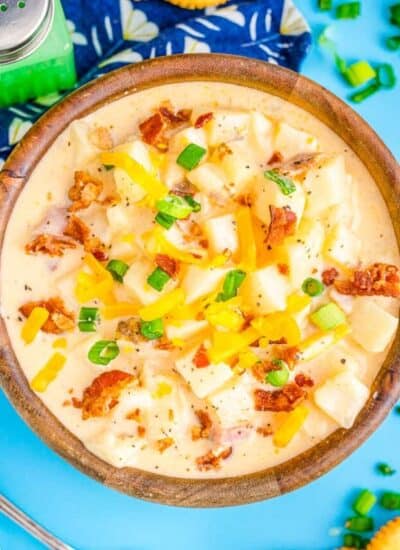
(310, 464)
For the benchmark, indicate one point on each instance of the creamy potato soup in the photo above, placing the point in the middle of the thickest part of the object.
(200, 280)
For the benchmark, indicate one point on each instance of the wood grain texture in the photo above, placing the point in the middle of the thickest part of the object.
(247, 73)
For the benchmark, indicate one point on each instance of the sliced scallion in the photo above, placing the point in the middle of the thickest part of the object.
(395, 14)
(359, 73)
(103, 352)
(158, 279)
(312, 287)
(164, 220)
(385, 469)
(385, 76)
(328, 317)
(348, 10)
(174, 206)
(232, 282)
(88, 317)
(325, 4)
(285, 184)
(152, 329)
(351, 540)
(279, 377)
(393, 43)
(196, 206)
(390, 501)
(190, 157)
(117, 268)
(362, 95)
(360, 524)
(364, 502)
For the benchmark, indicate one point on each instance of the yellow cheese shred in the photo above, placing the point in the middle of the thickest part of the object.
(290, 426)
(33, 324)
(48, 373)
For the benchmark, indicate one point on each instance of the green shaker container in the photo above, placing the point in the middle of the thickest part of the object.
(36, 52)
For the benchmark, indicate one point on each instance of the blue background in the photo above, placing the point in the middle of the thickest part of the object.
(90, 516)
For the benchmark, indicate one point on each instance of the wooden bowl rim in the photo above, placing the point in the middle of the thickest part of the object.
(249, 73)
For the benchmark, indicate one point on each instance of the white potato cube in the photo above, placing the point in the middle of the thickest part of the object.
(344, 301)
(119, 218)
(304, 256)
(184, 330)
(203, 381)
(290, 142)
(183, 138)
(199, 282)
(265, 290)
(260, 134)
(83, 149)
(209, 178)
(326, 185)
(240, 166)
(343, 246)
(268, 193)
(227, 125)
(371, 326)
(342, 397)
(135, 280)
(116, 449)
(173, 174)
(127, 188)
(222, 233)
(234, 404)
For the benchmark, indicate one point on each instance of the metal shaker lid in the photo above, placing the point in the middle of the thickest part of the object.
(24, 24)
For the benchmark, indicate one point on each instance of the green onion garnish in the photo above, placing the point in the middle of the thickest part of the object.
(108, 167)
(360, 524)
(351, 540)
(158, 279)
(328, 317)
(232, 282)
(88, 317)
(103, 352)
(360, 96)
(359, 73)
(349, 10)
(364, 502)
(395, 14)
(117, 268)
(278, 378)
(385, 469)
(285, 184)
(152, 329)
(174, 206)
(385, 76)
(196, 206)
(190, 157)
(390, 501)
(312, 287)
(393, 43)
(165, 220)
(325, 4)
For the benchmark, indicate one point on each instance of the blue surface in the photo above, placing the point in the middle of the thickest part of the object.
(90, 516)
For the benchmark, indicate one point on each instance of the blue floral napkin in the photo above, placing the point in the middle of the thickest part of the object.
(112, 33)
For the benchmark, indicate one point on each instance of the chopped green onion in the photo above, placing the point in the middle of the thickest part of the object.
(390, 501)
(360, 524)
(328, 317)
(385, 469)
(385, 76)
(360, 96)
(350, 540)
(232, 282)
(164, 220)
(88, 316)
(312, 287)
(152, 329)
(174, 206)
(393, 43)
(364, 502)
(196, 206)
(397, 409)
(190, 157)
(349, 10)
(117, 268)
(285, 184)
(103, 352)
(278, 378)
(359, 73)
(325, 4)
(395, 14)
(158, 279)
(108, 167)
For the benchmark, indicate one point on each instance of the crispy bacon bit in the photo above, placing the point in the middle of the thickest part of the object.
(164, 343)
(202, 431)
(175, 119)
(168, 264)
(183, 189)
(283, 269)
(53, 245)
(130, 330)
(245, 200)
(77, 403)
(329, 276)
(104, 392)
(302, 380)
(298, 165)
(265, 431)
(141, 431)
(200, 359)
(203, 119)
(59, 320)
(80, 232)
(164, 443)
(276, 158)
(283, 224)
(101, 137)
(154, 128)
(379, 279)
(134, 415)
(212, 459)
(262, 368)
(290, 355)
(86, 189)
(285, 399)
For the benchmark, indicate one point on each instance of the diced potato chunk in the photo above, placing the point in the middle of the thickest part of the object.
(173, 174)
(119, 218)
(342, 397)
(240, 166)
(233, 404)
(268, 193)
(189, 135)
(184, 330)
(199, 282)
(342, 246)
(289, 141)
(304, 256)
(222, 233)
(372, 327)
(260, 134)
(205, 380)
(126, 187)
(326, 185)
(227, 125)
(117, 450)
(135, 280)
(265, 290)
(209, 178)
